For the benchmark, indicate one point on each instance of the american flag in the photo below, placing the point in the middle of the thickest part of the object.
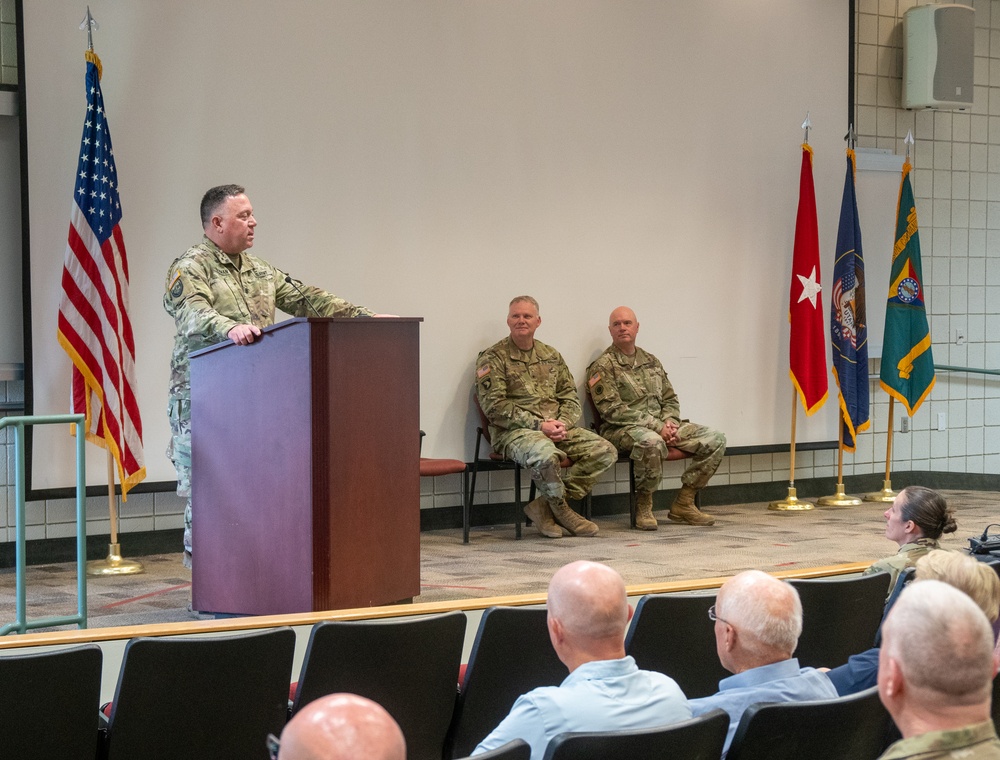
(94, 326)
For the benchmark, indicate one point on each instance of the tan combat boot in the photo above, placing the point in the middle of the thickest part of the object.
(683, 509)
(644, 519)
(571, 521)
(539, 513)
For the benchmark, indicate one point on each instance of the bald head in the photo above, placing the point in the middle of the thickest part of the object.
(339, 727)
(623, 326)
(941, 645)
(588, 598)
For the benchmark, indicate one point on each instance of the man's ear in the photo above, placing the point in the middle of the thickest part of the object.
(631, 612)
(730, 638)
(891, 680)
(556, 631)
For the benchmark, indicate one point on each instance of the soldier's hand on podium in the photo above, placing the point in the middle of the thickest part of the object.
(244, 335)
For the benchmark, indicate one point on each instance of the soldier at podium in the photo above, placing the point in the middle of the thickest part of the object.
(529, 398)
(218, 291)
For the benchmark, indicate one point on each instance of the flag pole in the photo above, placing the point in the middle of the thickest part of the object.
(113, 564)
(839, 499)
(886, 494)
(791, 502)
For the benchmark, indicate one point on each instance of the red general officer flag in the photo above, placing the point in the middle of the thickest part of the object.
(807, 341)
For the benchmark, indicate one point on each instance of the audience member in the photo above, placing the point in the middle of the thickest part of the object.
(342, 727)
(976, 579)
(917, 518)
(605, 690)
(935, 675)
(758, 620)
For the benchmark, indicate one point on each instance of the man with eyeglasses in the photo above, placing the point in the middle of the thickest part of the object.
(340, 727)
(758, 621)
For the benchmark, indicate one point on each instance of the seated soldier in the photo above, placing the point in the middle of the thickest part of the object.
(640, 414)
(529, 398)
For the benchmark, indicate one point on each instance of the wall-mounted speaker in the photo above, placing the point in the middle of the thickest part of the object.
(938, 61)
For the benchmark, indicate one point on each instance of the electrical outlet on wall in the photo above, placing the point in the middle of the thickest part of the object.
(942, 421)
(904, 424)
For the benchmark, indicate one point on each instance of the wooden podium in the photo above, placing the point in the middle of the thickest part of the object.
(305, 468)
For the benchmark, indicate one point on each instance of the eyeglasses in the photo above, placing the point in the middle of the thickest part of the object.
(273, 745)
(713, 617)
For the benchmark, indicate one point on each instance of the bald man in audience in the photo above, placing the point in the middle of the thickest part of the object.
(935, 675)
(342, 727)
(605, 690)
(758, 621)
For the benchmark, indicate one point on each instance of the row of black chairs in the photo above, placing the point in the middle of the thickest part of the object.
(222, 695)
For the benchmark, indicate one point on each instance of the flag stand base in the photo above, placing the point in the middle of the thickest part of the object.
(791, 503)
(114, 564)
(885, 495)
(839, 499)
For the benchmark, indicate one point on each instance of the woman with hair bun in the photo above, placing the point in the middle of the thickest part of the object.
(916, 520)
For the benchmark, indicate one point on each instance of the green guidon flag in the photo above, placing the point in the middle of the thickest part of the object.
(907, 364)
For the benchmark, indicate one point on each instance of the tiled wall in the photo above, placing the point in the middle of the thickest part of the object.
(8, 43)
(957, 184)
(56, 518)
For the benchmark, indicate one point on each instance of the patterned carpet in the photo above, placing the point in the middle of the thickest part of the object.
(494, 564)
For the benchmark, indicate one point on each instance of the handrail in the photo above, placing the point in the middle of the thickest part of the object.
(974, 370)
(21, 624)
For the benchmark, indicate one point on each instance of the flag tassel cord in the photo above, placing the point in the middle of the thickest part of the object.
(113, 564)
(791, 502)
(886, 494)
(839, 499)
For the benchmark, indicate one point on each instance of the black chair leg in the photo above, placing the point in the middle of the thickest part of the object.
(517, 501)
(633, 499)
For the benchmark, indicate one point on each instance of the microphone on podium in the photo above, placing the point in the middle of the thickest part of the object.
(305, 298)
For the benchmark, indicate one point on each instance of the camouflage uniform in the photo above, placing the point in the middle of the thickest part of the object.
(517, 391)
(635, 399)
(907, 556)
(208, 294)
(975, 742)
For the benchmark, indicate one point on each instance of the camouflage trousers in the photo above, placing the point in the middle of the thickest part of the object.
(648, 450)
(179, 452)
(591, 455)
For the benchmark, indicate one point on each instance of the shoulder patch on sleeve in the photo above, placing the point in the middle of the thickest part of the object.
(483, 371)
(594, 379)
(176, 285)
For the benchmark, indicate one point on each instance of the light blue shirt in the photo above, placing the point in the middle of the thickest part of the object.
(604, 695)
(778, 682)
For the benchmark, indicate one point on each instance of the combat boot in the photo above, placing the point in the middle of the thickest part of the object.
(539, 513)
(571, 521)
(683, 509)
(644, 519)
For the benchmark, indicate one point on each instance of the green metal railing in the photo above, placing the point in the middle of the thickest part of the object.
(22, 624)
(973, 370)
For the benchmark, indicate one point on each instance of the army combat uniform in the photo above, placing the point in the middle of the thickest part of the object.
(975, 742)
(208, 293)
(518, 390)
(907, 556)
(635, 399)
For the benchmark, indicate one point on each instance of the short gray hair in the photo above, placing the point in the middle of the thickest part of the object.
(765, 607)
(525, 299)
(215, 197)
(942, 642)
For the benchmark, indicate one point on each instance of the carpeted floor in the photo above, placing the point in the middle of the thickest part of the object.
(494, 564)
